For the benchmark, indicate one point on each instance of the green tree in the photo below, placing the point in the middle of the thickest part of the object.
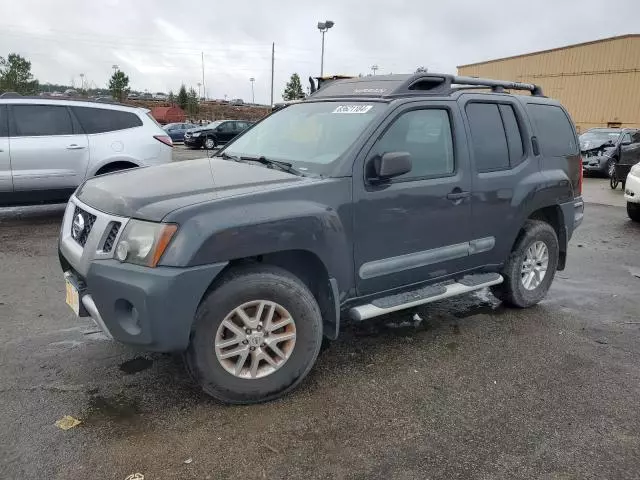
(172, 97)
(119, 86)
(192, 102)
(183, 97)
(16, 76)
(293, 90)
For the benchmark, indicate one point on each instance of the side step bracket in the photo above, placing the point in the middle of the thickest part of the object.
(420, 296)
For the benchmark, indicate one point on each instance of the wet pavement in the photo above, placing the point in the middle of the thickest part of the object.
(463, 388)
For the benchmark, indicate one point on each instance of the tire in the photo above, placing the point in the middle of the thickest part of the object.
(613, 181)
(240, 288)
(513, 291)
(633, 210)
(209, 143)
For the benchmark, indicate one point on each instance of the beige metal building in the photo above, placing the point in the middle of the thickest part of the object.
(598, 82)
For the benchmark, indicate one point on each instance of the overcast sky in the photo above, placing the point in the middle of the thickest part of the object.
(158, 42)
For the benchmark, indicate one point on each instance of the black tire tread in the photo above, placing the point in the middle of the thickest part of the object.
(633, 211)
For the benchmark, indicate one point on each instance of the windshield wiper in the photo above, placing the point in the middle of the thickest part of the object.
(226, 156)
(284, 166)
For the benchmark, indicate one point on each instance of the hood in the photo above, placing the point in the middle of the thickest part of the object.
(150, 193)
(587, 145)
(199, 129)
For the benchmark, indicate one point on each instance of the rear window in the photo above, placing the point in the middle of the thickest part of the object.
(101, 120)
(555, 134)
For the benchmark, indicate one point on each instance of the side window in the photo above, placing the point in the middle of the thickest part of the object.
(226, 127)
(488, 137)
(635, 138)
(514, 138)
(555, 134)
(4, 122)
(426, 135)
(101, 120)
(626, 138)
(41, 120)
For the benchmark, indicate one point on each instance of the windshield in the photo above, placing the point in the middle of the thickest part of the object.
(600, 136)
(214, 124)
(309, 134)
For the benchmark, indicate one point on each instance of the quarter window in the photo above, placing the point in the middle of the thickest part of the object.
(426, 135)
(101, 120)
(41, 120)
(555, 133)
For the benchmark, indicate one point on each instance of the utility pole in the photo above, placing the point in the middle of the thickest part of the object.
(253, 97)
(204, 88)
(273, 60)
(199, 85)
(82, 82)
(374, 68)
(115, 68)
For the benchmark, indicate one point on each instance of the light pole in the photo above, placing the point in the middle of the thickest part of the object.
(115, 68)
(253, 97)
(374, 68)
(323, 27)
(199, 85)
(82, 82)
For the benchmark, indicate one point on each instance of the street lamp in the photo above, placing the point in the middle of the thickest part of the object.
(253, 97)
(199, 85)
(323, 27)
(374, 68)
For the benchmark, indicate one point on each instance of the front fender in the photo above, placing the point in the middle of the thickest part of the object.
(245, 230)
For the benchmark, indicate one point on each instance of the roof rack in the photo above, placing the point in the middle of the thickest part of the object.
(392, 86)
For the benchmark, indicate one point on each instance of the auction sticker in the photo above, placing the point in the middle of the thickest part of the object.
(352, 109)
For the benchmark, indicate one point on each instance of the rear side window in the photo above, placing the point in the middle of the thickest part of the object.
(488, 137)
(4, 123)
(101, 120)
(555, 133)
(514, 139)
(41, 120)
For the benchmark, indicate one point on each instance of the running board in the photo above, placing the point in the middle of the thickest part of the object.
(401, 301)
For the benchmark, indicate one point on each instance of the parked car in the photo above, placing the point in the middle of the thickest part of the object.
(160, 96)
(177, 130)
(133, 96)
(600, 148)
(374, 195)
(632, 193)
(214, 134)
(49, 147)
(237, 102)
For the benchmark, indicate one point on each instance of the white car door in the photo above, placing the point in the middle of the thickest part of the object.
(48, 149)
(6, 182)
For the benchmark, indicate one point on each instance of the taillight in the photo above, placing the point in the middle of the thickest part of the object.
(166, 139)
(581, 177)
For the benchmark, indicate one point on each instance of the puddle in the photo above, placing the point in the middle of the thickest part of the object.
(117, 408)
(136, 365)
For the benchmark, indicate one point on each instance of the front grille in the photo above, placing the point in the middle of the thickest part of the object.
(80, 229)
(111, 237)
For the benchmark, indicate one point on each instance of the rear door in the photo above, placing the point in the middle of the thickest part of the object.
(48, 149)
(6, 181)
(502, 163)
(630, 148)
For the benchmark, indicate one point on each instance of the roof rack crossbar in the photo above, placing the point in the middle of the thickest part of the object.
(497, 85)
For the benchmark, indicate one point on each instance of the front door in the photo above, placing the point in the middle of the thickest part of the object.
(47, 150)
(6, 182)
(416, 227)
(226, 131)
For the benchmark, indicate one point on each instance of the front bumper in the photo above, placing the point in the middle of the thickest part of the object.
(632, 189)
(596, 166)
(193, 141)
(151, 308)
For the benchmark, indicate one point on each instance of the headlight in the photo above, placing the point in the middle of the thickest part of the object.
(635, 170)
(143, 243)
(195, 134)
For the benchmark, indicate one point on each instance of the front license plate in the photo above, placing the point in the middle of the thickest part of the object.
(73, 298)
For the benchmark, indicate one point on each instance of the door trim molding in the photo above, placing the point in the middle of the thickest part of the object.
(386, 266)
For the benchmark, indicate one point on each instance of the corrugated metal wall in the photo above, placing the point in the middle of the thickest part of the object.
(599, 82)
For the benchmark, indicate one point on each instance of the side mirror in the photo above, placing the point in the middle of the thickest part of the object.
(390, 165)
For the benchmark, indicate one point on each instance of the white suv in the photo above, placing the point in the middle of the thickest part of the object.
(49, 147)
(632, 193)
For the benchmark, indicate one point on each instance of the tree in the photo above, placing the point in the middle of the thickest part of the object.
(293, 90)
(16, 76)
(192, 102)
(172, 97)
(183, 97)
(119, 85)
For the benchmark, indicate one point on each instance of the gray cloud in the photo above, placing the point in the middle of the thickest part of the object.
(158, 42)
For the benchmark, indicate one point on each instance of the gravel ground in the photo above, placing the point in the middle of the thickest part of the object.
(468, 389)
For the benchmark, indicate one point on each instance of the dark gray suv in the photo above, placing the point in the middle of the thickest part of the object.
(373, 195)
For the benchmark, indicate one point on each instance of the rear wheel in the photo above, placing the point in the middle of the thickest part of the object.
(531, 266)
(255, 337)
(613, 181)
(633, 210)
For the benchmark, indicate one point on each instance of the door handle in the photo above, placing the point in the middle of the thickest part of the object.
(458, 195)
(73, 146)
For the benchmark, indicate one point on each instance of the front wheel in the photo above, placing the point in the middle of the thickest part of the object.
(611, 168)
(209, 143)
(633, 210)
(255, 337)
(531, 266)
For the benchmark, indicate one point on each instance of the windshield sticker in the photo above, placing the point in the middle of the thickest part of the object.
(352, 109)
